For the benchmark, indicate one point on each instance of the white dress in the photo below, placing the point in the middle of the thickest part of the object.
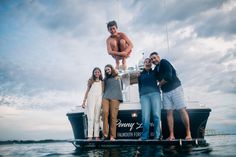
(94, 102)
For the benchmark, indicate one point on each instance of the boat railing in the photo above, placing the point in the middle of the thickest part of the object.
(129, 83)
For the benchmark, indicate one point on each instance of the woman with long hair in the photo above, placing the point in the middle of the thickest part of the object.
(111, 100)
(93, 95)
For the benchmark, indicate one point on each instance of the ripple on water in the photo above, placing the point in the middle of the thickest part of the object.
(218, 146)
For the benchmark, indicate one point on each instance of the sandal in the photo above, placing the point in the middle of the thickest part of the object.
(90, 138)
(112, 139)
(104, 137)
(171, 138)
(188, 138)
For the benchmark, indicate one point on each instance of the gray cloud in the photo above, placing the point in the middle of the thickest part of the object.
(73, 18)
(218, 24)
(41, 66)
(229, 55)
(184, 10)
(206, 17)
(77, 18)
(224, 82)
(162, 12)
(212, 71)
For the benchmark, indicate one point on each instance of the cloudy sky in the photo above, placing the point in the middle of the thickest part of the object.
(48, 49)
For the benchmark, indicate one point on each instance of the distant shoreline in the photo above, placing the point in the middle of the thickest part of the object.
(220, 134)
(31, 141)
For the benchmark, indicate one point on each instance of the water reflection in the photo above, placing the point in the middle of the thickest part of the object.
(143, 151)
(187, 150)
(111, 152)
(148, 151)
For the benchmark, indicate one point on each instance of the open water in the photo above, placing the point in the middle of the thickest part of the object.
(220, 145)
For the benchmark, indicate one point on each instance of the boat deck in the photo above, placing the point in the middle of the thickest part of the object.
(136, 142)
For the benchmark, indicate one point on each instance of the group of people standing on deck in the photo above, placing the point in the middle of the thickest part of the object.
(105, 94)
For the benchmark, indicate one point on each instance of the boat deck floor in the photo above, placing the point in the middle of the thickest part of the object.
(121, 142)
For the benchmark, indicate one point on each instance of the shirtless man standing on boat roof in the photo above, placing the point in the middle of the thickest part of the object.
(119, 45)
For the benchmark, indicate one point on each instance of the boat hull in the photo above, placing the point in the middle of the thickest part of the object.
(129, 124)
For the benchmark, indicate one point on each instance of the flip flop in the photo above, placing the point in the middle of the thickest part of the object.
(188, 138)
(171, 138)
(90, 139)
(112, 139)
(104, 138)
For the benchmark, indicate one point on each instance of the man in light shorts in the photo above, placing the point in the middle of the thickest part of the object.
(173, 96)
